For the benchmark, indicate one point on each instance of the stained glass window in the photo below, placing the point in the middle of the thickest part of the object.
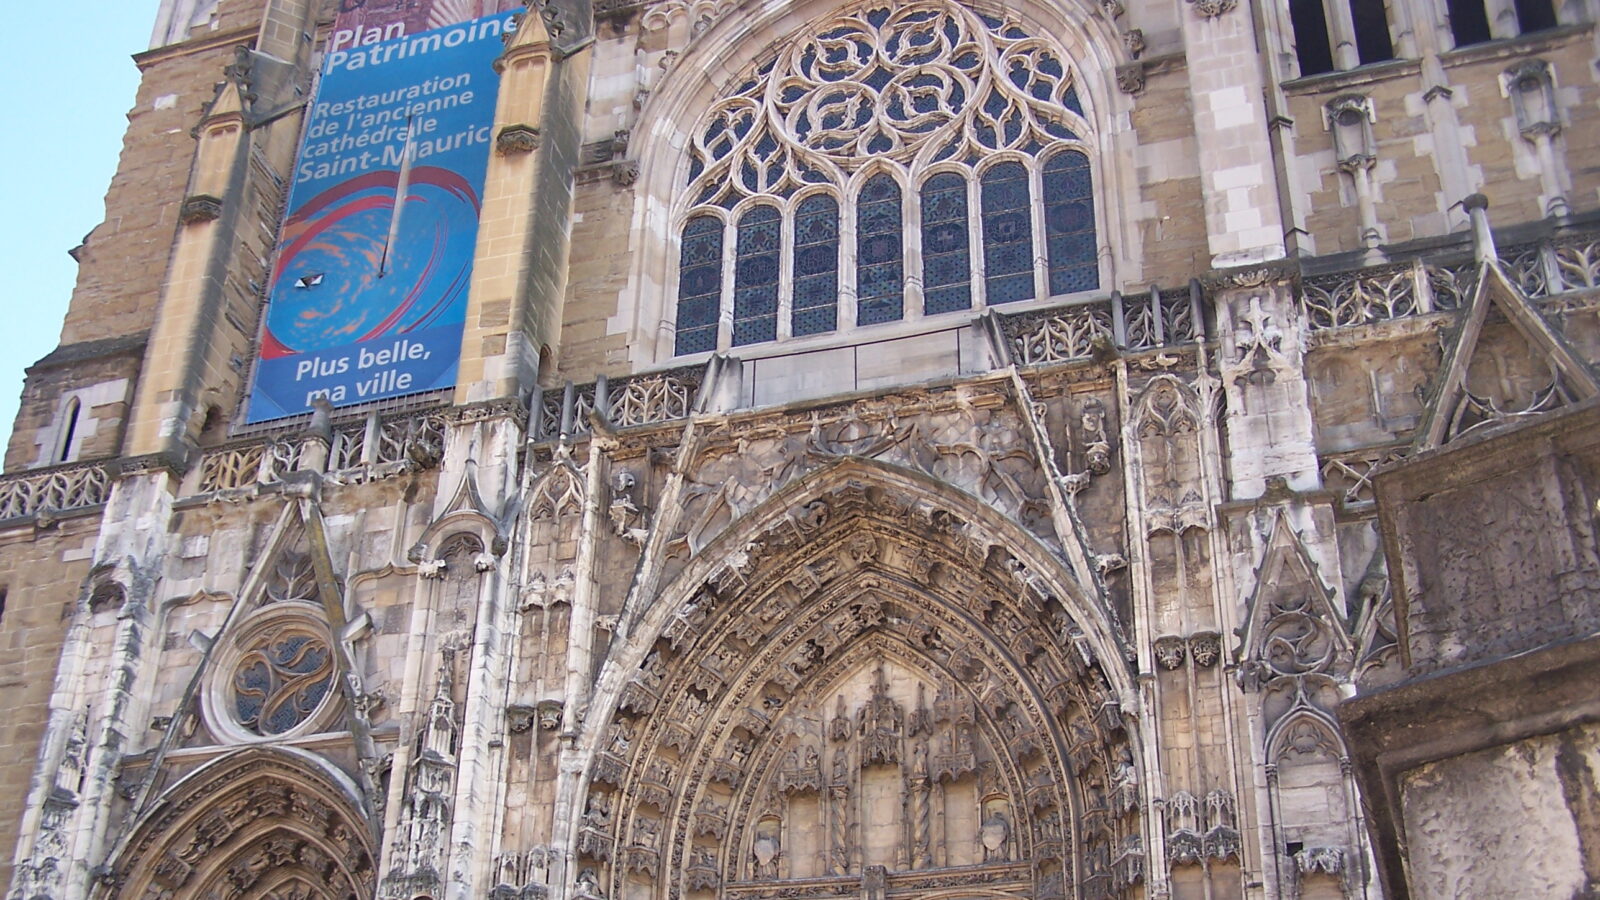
(816, 266)
(755, 278)
(1007, 234)
(946, 260)
(281, 682)
(699, 285)
(1069, 223)
(880, 274)
(877, 96)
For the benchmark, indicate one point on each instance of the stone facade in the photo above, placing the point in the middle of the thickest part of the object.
(1050, 588)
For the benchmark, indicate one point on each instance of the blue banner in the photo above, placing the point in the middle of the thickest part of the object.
(369, 291)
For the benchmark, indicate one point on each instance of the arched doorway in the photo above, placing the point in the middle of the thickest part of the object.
(265, 823)
(871, 695)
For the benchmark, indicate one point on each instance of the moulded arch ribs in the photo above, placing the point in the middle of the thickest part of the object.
(780, 524)
(861, 636)
(468, 512)
(560, 490)
(1305, 730)
(261, 814)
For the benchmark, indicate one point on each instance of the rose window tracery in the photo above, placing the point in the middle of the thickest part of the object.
(273, 676)
(911, 160)
(281, 681)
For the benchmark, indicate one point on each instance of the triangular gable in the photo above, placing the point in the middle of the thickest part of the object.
(1451, 407)
(1288, 588)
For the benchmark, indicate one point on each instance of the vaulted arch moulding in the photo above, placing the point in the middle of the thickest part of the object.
(874, 691)
(265, 823)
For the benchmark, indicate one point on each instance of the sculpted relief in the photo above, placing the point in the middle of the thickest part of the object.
(871, 700)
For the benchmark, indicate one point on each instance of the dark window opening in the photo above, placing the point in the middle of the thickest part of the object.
(1372, 31)
(69, 430)
(1535, 15)
(1311, 45)
(1469, 22)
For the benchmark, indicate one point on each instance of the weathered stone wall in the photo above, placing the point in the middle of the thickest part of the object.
(1459, 841)
(42, 580)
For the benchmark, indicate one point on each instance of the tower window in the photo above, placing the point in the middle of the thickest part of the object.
(1535, 15)
(1311, 45)
(68, 433)
(923, 98)
(1371, 20)
(1469, 22)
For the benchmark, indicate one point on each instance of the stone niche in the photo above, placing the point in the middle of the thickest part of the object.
(1480, 769)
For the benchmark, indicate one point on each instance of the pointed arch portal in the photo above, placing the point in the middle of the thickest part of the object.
(873, 689)
(264, 823)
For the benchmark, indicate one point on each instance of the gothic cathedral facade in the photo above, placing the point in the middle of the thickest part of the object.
(928, 449)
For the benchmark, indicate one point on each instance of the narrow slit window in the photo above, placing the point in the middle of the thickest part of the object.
(946, 256)
(1069, 224)
(69, 430)
(880, 261)
(1371, 18)
(1007, 234)
(1311, 46)
(755, 279)
(816, 266)
(699, 285)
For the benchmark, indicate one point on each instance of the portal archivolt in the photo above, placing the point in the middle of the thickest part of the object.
(259, 824)
(870, 694)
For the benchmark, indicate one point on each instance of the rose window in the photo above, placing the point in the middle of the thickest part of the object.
(281, 680)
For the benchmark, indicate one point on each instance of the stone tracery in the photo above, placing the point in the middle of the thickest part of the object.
(813, 144)
(917, 84)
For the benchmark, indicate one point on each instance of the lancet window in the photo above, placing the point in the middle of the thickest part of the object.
(890, 163)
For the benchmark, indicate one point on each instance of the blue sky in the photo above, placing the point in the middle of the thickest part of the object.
(66, 85)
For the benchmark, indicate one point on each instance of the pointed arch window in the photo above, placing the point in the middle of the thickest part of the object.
(946, 260)
(1007, 234)
(880, 275)
(926, 94)
(755, 276)
(699, 284)
(816, 265)
(1069, 223)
